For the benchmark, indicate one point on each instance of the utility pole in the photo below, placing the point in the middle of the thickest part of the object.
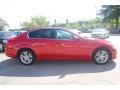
(67, 21)
(96, 11)
(96, 15)
(20, 25)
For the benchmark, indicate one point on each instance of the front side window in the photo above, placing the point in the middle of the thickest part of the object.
(61, 34)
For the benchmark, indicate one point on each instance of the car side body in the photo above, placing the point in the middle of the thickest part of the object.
(52, 48)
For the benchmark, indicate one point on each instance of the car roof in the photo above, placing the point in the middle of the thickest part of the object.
(50, 28)
(47, 28)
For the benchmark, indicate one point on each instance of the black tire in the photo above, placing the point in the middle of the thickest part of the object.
(32, 58)
(100, 62)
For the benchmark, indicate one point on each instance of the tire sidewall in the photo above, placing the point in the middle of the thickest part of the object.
(93, 56)
(33, 56)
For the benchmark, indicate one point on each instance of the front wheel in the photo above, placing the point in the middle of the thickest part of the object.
(26, 57)
(101, 56)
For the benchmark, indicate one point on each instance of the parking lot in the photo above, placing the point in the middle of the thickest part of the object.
(61, 72)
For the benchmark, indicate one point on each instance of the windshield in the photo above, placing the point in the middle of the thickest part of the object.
(7, 35)
(75, 31)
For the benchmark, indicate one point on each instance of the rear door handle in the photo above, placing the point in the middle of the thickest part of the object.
(60, 45)
(38, 45)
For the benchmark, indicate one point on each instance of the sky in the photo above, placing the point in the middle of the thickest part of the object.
(18, 11)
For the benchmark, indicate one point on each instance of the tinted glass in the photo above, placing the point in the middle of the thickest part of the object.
(61, 34)
(42, 34)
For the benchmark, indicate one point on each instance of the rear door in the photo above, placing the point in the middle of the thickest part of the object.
(45, 44)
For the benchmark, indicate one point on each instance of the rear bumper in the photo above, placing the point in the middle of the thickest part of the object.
(10, 52)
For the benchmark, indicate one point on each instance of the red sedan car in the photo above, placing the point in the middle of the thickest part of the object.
(58, 44)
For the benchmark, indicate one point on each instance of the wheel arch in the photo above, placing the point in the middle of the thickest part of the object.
(25, 48)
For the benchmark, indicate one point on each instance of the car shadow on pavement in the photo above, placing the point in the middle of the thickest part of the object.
(13, 68)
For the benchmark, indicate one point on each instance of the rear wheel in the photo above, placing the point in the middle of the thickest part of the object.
(26, 57)
(101, 56)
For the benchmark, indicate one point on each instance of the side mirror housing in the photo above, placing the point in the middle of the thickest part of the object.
(76, 37)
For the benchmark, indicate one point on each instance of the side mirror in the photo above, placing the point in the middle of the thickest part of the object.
(76, 37)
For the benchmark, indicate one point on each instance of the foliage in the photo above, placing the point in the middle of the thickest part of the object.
(83, 25)
(111, 14)
(35, 22)
(3, 24)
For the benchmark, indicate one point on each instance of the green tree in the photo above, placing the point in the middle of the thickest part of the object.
(3, 24)
(94, 23)
(28, 25)
(39, 21)
(84, 25)
(110, 13)
(35, 22)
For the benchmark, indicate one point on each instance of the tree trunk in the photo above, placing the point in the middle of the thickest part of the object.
(117, 21)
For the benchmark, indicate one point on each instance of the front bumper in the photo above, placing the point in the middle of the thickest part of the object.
(114, 53)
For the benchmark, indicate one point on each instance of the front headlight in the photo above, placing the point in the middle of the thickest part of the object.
(5, 41)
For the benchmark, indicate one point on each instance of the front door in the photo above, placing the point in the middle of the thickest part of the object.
(70, 47)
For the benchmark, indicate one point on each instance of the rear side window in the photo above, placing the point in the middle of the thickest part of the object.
(42, 34)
